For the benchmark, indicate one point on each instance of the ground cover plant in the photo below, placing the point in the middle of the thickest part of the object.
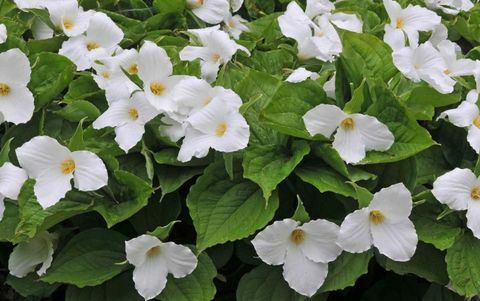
(252, 150)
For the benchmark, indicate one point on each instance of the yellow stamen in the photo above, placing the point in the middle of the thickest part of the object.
(68, 24)
(105, 74)
(216, 57)
(153, 251)
(4, 89)
(475, 193)
(231, 24)
(297, 236)
(347, 124)
(67, 166)
(446, 71)
(207, 101)
(92, 45)
(221, 129)
(400, 23)
(133, 113)
(133, 69)
(476, 122)
(376, 217)
(157, 88)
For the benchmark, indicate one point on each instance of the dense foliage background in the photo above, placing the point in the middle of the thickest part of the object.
(216, 204)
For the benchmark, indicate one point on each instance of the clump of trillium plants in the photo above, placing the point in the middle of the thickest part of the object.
(228, 150)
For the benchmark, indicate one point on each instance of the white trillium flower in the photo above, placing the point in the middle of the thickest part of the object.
(459, 189)
(129, 117)
(217, 49)
(355, 133)
(53, 166)
(26, 256)
(16, 100)
(3, 33)
(466, 115)
(455, 67)
(301, 74)
(235, 25)
(424, 63)
(452, 7)
(409, 22)
(11, 181)
(304, 251)
(383, 224)
(153, 260)
(69, 17)
(210, 11)
(99, 41)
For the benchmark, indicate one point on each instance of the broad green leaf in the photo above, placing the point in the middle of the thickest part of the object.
(162, 232)
(169, 6)
(5, 152)
(9, 222)
(224, 210)
(77, 142)
(83, 87)
(46, 45)
(300, 214)
(198, 286)
(268, 165)
(90, 258)
(78, 110)
(30, 286)
(168, 156)
(441, 293)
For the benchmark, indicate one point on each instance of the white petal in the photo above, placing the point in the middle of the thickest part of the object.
(375, 135)
(75, 50)
(128, 135)
(323, 119)
(439, 34)
(347, 21)
(320, 241)
(2, 206)
(173, 129)
(195, 144)
(354, 235)
(438, 80)
(393, 9)
(299, 75)
(473, 217)
(472, 96)
(398, 241)
(137, 248)
(302, 274)
(153, 63)
(209, 70)
(349, 145)
(51, 186)
(14, 67)
(115, 115)
(18, 106)
(235, 5)
(165, 101)
(192, 93)
(190, 53)
(150, 278)
(420, 18)
(395, 38)
(473, 138)
(104, 31)
(90, 171)
(403, 60)
(212, 11)
(3, 33)
(395, 202)
(146, 111)
(180, 259)
(81, 24)
(329, 87)
(40, 30)
(463, 115)
(11, 180)
(271, 243)
(454, 188)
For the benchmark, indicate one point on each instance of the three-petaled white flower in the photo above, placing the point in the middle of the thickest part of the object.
(304, 251)
(26, 256)
(210, 11)
(11, 181)
(459, 189)
(217, 49)
(153, 260)
(355, 133)
(69, 17)
(129, 117)
(16, 100)
(53, 166)
(235, 25)
(452, 7)
(383, 224)
(99, 41)
(455, 66)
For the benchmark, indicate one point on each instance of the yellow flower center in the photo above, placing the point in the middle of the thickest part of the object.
(221, 129)
(4, 89)
(216, 57)
(67, 166)
(133, 113)
(320, 34)
(92, 45)
(68, 24)
(297, 236)
(347, 124)
(231, 24)
(446, 71)
(207, 101)
(153, 251)
(157, 88)
(476, 122)
(475, 193)
(400, 23)
(105, 74)
(133, 69)
(376, 217)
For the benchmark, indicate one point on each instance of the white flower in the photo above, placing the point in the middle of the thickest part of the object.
(26, 256)
(304, 251)
(451, 7)
(217, 126)
(217, 49)
(473, 95)
(459, 189)
(466, 115)
(384, 224)
(155, 70)
(129, 117)
(100, 41)
(455, 67)
(318, 7)
(40, 30)
(300, 74)
(355, 133)
(69, 17)
(153, 260)
(424, 63)
(16, 100)
(329, 87)
(11, 181)
(235, 25)
(439, 34)
(26, 4)
(53, 166)
(210, 11)
(3, 33)
(408, 21)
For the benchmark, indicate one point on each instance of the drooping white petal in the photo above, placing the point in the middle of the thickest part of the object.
(195, 144)
(347, 21)
(318, 7)
(294, 23)
(301, 74)
(329, 87)
(173, 129)
(11, 180)
(473, 138)
(349, 144)
(354, 235)
(40, 30)
(375, 135)
(323, 119)
(136, 248)
(472, 96)
(473, 217)
(17, 105)
(398, 241)
(454, 188)
(153, 63)
(51, 186)
(439, 34)
(272, 242)
(128, 135)
(104, 31)
(319, 244)
(3, 33)
(419, 18)
(394, 37)
(235, 5)
(150, 278)
(210, 11)
(90, 171)
(394, 202)
(235, 25)
(180, 260)
(463, 115)
(14, 68)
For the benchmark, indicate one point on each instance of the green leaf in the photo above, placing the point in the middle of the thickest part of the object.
(224, 210)
(83, 87)
(301, 214)
(9, 222)
(268, 165)
(169, 6)
(463, 265)
(162, 232)
(441, 293)
(171, 178)
(78, 110)
(90, 258)
(5, 152)
(76, 142)
(30, 286)
(51, 74)
(198, 286)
